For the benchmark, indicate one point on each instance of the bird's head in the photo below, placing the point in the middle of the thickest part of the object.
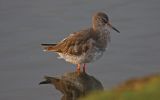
(100, 21)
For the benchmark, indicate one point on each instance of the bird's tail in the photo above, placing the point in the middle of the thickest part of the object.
(48, 47)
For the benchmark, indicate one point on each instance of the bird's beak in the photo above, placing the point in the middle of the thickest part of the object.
(110, 25)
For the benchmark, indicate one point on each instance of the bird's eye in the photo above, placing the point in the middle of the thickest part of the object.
(104, 20)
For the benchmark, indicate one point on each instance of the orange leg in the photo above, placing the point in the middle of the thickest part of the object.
(84, 68)
(78, 68)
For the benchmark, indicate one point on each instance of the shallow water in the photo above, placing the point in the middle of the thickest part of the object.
(25, 24)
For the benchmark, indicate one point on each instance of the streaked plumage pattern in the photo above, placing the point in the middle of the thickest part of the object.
(86, 45)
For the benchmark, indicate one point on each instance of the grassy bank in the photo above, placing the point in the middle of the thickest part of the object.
(146, 88)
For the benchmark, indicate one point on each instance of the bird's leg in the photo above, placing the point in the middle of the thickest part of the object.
(84, 68)
(78, 68)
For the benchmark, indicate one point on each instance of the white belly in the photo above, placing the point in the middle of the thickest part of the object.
(91, 56)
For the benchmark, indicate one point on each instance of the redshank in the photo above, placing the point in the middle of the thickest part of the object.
(87, 45)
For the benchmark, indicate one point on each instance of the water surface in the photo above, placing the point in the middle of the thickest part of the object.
(25, 24)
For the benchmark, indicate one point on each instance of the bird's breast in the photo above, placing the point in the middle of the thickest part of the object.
(103, 40)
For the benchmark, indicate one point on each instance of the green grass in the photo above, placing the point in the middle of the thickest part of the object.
(147, 88)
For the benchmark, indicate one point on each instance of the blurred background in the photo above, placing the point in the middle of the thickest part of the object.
(25, 24)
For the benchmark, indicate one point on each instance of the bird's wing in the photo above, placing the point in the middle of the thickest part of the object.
(75, 44)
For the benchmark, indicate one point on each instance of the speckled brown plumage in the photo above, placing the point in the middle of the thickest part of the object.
(86, 45)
